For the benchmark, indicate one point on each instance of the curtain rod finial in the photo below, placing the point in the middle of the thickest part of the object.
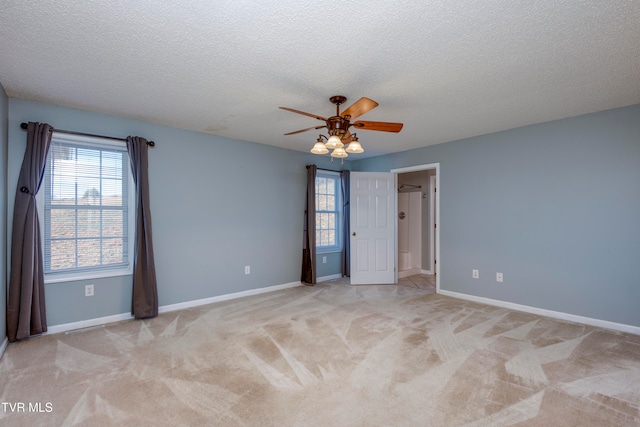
(24, 126)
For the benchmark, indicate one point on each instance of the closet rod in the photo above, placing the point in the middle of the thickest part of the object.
(70, 132)
(409, 185)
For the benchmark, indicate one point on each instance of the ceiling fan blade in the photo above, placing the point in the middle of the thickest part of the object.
(380, 126)
(359, 107)
(304, 130)
(303, 113)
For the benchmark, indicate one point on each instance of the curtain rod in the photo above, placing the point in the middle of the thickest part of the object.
(327, 170)
(70, 132)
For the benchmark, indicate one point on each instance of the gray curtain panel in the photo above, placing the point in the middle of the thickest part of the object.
(26, 313)
(309, 242)
(144, 302)
(345, 177)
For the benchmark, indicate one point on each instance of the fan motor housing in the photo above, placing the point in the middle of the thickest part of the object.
(337, 125)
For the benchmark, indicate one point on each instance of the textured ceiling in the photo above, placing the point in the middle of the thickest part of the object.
(446, 69)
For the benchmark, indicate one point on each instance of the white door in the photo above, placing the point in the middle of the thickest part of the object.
(372, 223)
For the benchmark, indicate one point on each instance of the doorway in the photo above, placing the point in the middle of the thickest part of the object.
(417, 215)
(411, 200)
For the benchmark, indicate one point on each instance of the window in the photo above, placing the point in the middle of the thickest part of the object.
(328, 209)
(87, 195)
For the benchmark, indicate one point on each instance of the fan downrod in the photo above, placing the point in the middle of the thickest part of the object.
(338, 100)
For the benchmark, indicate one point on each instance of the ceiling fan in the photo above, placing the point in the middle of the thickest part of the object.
(338, 127)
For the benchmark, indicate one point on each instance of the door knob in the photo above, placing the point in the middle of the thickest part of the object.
(353, 234)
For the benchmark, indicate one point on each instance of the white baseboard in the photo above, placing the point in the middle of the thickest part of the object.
(82, 324)
(226, 297)
(327, 278)
(56, 329)
(3, 346)
(409, 272)
(548, 313)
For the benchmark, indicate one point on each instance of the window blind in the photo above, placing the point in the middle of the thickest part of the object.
(86, 193)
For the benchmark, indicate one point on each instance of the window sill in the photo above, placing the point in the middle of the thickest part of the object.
(89, 275)
(328, 251)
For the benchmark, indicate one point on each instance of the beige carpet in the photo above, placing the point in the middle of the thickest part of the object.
(330, 355)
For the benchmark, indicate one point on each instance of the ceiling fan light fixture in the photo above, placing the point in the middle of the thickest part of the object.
(354, 146)
(319, 148)
(334, 142)
(340, 140)
(339, 153)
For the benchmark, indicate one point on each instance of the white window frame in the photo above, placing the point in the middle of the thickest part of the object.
(96, 273)
(338, 193)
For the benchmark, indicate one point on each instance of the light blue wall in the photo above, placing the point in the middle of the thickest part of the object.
(217, 205)
(4, 116)
(554, 206)
(331, 267)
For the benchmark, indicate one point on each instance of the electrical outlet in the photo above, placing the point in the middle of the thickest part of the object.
(499, 277)
(247, 269)
(88, 290)
(324, 259)
(475, 274)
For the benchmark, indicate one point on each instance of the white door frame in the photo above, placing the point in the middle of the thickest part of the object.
(433, 182)
(430, 166)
